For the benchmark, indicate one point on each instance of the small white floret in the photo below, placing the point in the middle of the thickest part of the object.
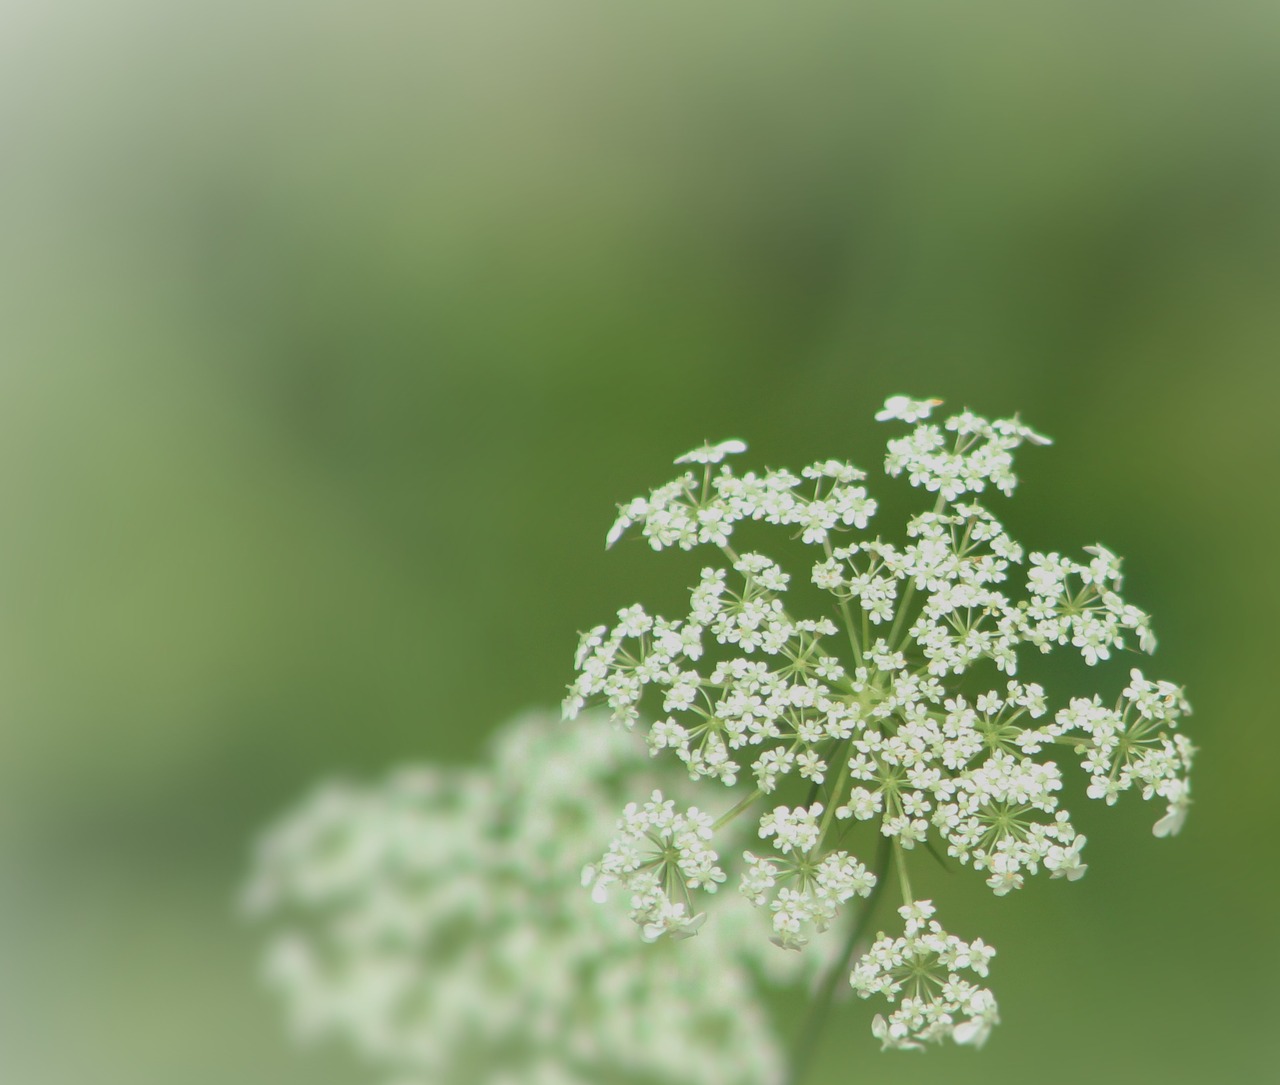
(710, 453)
(906, 409)
(1175, 814)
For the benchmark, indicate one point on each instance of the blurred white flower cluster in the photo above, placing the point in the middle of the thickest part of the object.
(893, 713)
(436, 922)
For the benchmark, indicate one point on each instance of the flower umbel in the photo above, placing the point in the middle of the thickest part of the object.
(920, 972)
(895, 711)
(433, 922)
(658, 852)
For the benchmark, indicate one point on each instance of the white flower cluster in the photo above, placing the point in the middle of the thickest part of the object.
(655, 850)
(812, 887)
(897, 707)
(920, 971)
(434, 922)
(1135, 743)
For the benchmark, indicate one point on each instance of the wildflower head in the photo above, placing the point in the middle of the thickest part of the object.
(896, 711)
(434, 923)
(921, 973)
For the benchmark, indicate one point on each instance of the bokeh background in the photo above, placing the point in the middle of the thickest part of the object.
(333, 332)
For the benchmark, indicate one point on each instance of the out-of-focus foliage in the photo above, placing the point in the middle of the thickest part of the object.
(333, 332)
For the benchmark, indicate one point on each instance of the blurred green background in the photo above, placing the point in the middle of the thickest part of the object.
(333, 332)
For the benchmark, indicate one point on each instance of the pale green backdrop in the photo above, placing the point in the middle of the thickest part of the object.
(332, 333)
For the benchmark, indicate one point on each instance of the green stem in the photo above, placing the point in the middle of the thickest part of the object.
(806, 1042)
(900, 857)
(728, 817)
(901, 616)
(837, 790)
(844, 610)
(909, 594)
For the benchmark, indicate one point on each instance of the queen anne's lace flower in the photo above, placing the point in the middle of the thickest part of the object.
(920, 973)
(897, 711)
(434, 922)
(658, 848)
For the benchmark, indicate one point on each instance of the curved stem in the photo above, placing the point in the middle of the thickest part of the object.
(806, 1041)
